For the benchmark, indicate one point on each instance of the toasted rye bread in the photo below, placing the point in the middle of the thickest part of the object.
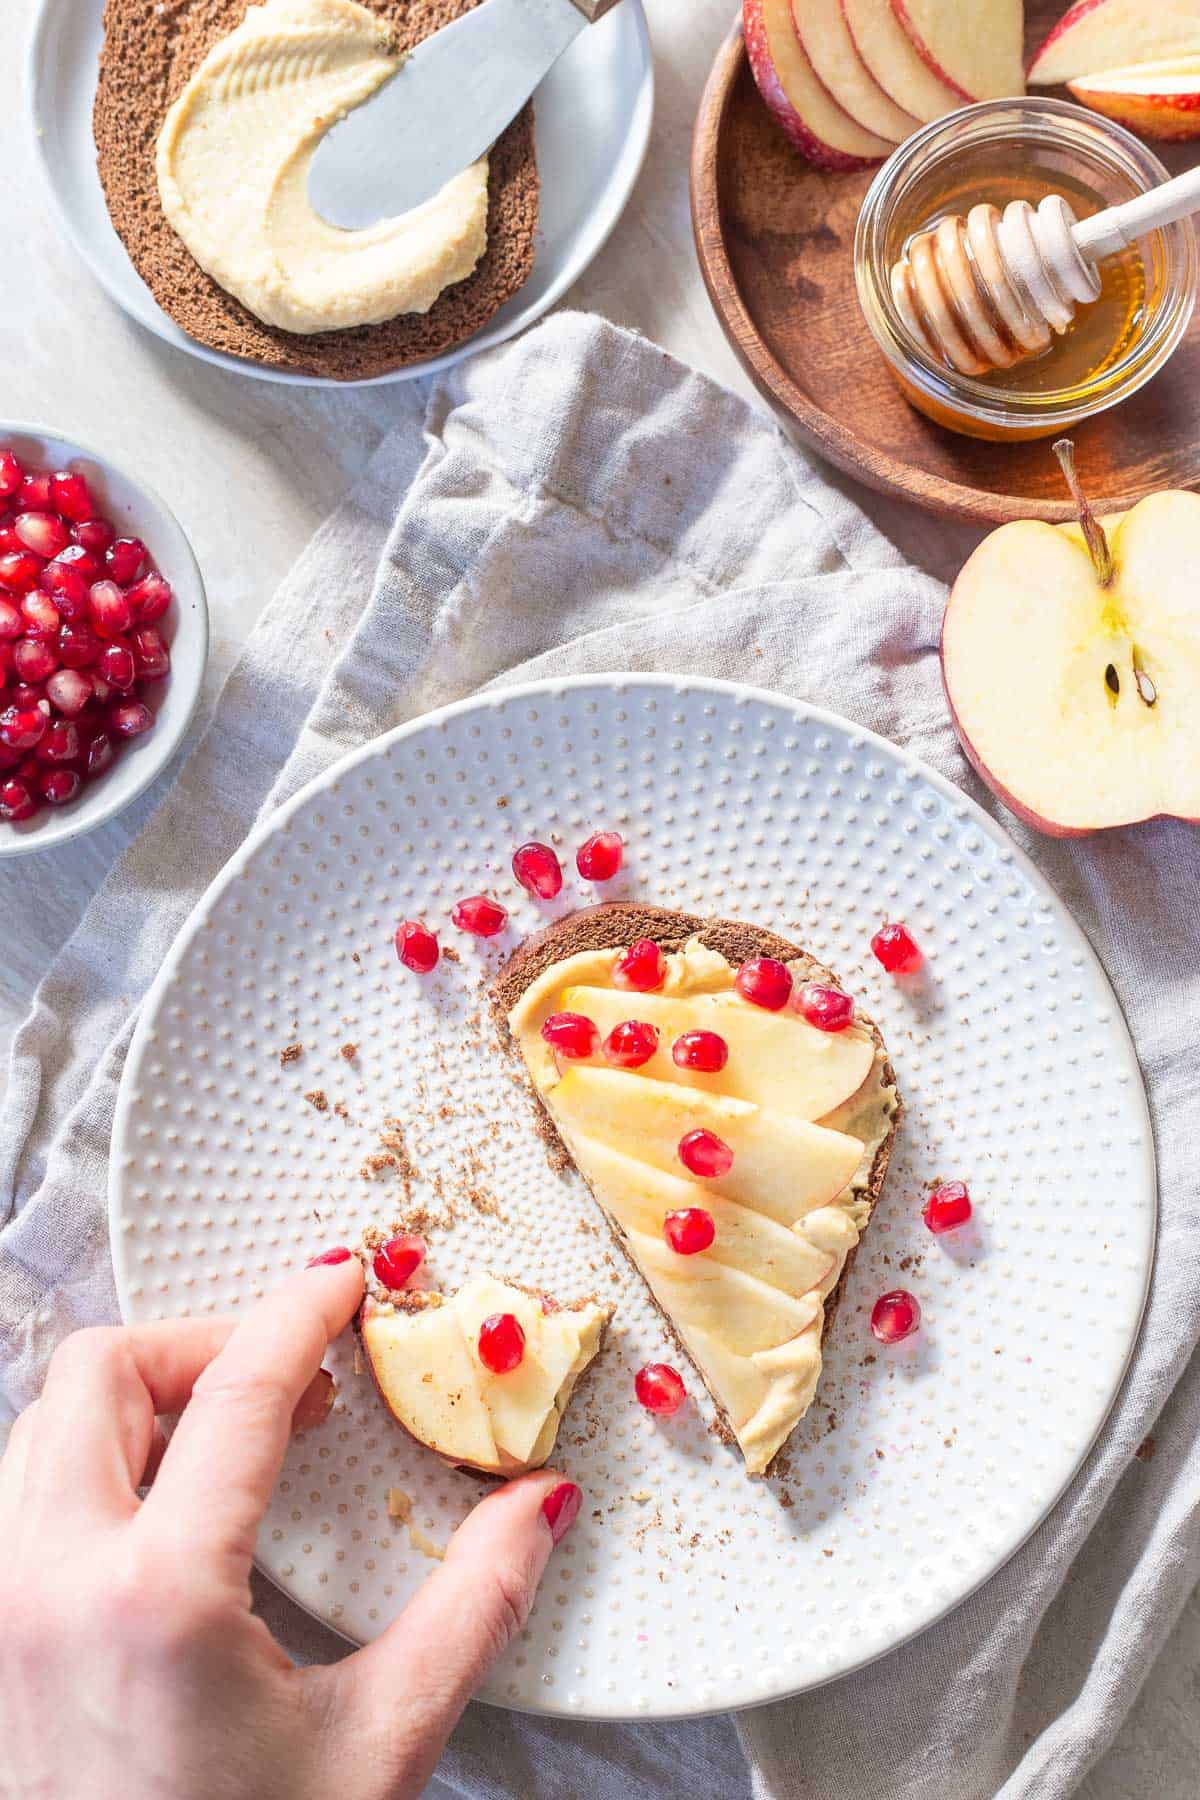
(616, 923)
(149, 54)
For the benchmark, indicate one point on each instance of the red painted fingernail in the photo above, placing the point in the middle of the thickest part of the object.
(338, 1254)
(561, 1508)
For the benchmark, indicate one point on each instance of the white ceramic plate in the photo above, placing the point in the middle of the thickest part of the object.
(593, 124)
(136, 511)
(922, 1467)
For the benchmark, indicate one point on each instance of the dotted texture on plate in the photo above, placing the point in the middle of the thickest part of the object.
(685, 1586)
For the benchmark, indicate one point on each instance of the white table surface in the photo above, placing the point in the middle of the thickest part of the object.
(251, 468)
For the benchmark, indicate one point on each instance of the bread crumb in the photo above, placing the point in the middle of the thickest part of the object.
(317, 1097)
(1145, 1450)
(291, 1054)
(349, 1051)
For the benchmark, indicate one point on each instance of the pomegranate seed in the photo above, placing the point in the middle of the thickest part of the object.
(34, 659)
(689, 1230)
(11, 473)
(660, 1389)
(897, 949)
(895, 1316)
(150, 653)
(85, 565)
(631, 1044)
(149, 598)
(101, 689)
(108, 609)
(33, 495)
(642, 967)
(947, 1207)
(57, 786)
(123, 559)
(69, 691)
(100, 753)
(21, 727)
(478, 914)
(42, 533)
(601, 857)
(9, 758)
(18, 571)
(538, 870)
(416, 946)
(825, 1007)
(703, 1153)
(12, 624)
(704, 1051)
(94, 534)
(571, 1035)
(128, 718)
(17, 801)
(60, 743)
(28, 693)
(115, 662)
(78, 645)
(70, 495)
(42, 618)
(764, 982)
(501, 1343)
(399, 1259)
(66, 587)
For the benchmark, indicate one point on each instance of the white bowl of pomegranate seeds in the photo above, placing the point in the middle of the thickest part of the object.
(103, 638)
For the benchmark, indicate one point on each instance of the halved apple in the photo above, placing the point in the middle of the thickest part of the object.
(825, 38)
(974, 46)
(813, 121)
(892, 58)
(1155, 99)
(1109, 34)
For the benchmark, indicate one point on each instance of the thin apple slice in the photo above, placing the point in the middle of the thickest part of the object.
(815, 124)
(1156, 99)
(428, 1380)
(1109, 34)
(974, 46)
(825, 38)
(888, 52)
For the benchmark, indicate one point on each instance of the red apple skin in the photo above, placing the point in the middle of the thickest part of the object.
(931, 62)
(1067, 23)
(1171, 118)
(794, 128)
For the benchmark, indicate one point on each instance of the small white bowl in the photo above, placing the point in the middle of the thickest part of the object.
(136, 511)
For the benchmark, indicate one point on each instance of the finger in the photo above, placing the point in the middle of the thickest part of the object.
(224, 1458)
(13, 1464)
(437, 1652)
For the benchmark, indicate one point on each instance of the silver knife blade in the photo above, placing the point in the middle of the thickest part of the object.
(443, 108)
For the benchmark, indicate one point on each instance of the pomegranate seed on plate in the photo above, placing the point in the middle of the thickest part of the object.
(18, 570)
(33, 495)
(102, 690)
(43, 533)
(478, 914)
(703, 1153)
(571, 1035)
(11, 472)
(947, 1207)
(416, 946)
(149, 598)
(765, 982)
(642, 967)
(17, 801)
(128, 718)
(34, 658)
(399, 1259)
(600, 858)
(60, 785)
(99, 755)
(123, 559)
(705, 1051)
(109, 609)
(150, 653)
(21, 727)
(660, 1389)
(69, 691)
(70, 495)
(85, 565)
(60, 742)
(825, 1007)
(78, 645)
(66, 587)
(630, 1044)
(29, 693)
(9, 540)
(12, 623)
(895, 1316)
(689, 1230)
(115, 663)
(897, 949)
(42, 618)
(501, 1343)
(94, 534)
(538, 870)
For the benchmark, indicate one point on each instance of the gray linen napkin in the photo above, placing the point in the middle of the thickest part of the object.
(585, 504)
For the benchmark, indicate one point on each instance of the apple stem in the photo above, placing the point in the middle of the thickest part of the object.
(1089, 524)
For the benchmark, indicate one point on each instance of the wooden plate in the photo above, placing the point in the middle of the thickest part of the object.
(775, 239)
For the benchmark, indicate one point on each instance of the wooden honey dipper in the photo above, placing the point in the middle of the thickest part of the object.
(987, 291)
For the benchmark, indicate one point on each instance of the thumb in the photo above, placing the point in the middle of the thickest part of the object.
(411, 1684)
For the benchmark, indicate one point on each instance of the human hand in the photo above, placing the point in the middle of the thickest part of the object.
(131, 1665)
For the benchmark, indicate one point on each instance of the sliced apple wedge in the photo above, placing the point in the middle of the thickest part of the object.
(1109, 34)
(825, 38)
(1155, 99)
(813, 121)
(974, 46)
(892, 58)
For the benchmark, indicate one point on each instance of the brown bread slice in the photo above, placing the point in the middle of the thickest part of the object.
(149, 54)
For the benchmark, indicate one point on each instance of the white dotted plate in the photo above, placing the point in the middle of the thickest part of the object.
(686, 1586)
